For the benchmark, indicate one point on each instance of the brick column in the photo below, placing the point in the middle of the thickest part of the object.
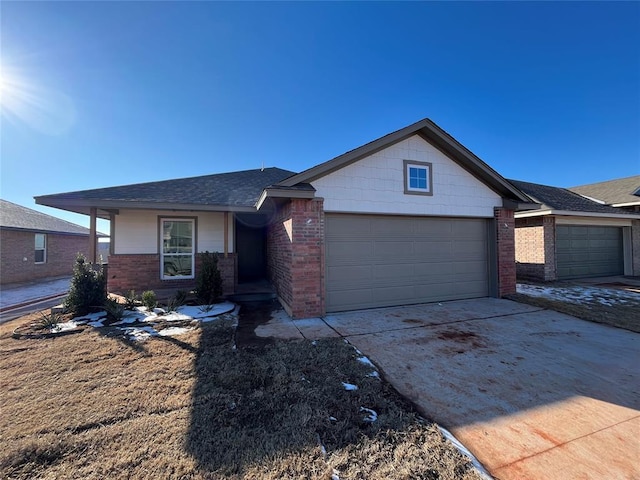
(635, 246)
(307, 260)
(506, 251)
(550, 267)
(295, 252)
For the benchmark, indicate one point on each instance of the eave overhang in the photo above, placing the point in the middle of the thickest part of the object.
(283, 193)
(107, 207)
(570, 213)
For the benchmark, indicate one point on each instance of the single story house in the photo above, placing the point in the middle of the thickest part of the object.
(34, 245)
(411, 217)
(622, 193)
(572, 236)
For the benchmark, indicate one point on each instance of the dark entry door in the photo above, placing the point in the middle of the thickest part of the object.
(251, 250)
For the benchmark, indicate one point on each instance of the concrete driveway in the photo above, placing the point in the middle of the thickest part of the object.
(533, 394)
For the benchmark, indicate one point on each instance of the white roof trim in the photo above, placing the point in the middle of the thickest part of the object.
(627, 204)
(538, 213)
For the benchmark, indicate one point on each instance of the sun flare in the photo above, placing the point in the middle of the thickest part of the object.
(23, 101)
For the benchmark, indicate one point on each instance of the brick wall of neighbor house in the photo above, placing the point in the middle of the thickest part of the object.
(15, 246)
(535, 246)
(505, 237)
(635, 246)
(141, 272)
(295, 251)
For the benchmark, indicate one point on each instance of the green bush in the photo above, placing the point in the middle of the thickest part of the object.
(131, 300)
(209, 280)
(115, 310)
(88, 287)
(149, 299)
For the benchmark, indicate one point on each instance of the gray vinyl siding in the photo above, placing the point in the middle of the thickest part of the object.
(588, 251)
(378, 260)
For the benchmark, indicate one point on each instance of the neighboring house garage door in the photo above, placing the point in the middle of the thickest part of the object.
(378, 260)
(588, 251)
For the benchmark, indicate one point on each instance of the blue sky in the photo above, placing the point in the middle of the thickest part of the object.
(97, 94)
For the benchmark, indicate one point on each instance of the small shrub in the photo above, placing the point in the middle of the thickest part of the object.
(209, 280)
(88, 287)
(179, 299)
(149, 299)
(115, 310)
(49, 321)
(206, 308)
(131, 300)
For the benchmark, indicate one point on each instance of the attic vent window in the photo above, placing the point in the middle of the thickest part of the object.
(417, 178)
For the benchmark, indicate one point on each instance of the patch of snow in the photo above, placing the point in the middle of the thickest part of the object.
(374, 374)
(160, 311)
(175, 317)
(366, 361)
(371, 416)
(333, 419)
(462, 449)
(64, 327)
(579, 294)
(349, 386)
(139, 333)
(199, 312)
(91, 317)
(171, 331)
(335, 475)
(96, 324)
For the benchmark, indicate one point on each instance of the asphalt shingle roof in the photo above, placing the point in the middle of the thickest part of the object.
(612, 192)
(555, 198)
(18, 217)
(225, 189)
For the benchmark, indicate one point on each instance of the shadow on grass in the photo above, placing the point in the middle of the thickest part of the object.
(252, 406)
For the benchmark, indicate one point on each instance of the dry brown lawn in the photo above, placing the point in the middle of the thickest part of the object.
(93, 406)
(621, 315)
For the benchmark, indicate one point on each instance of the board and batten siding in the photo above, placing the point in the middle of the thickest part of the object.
(375, 184)
(136, 231)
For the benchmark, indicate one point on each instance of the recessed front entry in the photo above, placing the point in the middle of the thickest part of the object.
(251, 247)
(379, 260)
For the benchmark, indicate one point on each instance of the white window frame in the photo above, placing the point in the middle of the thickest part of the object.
(427, 168)
(43, 249)
(164, 254)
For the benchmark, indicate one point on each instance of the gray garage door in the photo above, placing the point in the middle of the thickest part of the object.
(588, 251)
(377, 260)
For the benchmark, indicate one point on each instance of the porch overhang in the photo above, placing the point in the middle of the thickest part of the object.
(283, 193)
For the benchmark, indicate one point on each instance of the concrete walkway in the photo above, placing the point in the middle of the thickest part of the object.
(531, 393)
(19, 293)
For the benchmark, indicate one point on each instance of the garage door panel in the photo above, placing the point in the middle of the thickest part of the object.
(392, 247)
(588, 251)
(411, 260)
(349, 273)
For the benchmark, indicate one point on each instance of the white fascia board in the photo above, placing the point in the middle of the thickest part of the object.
(567, 213)
(629, 204)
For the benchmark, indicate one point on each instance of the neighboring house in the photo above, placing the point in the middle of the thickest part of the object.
(623, 193)
(411, 217)
(34, 245)
(572, 236)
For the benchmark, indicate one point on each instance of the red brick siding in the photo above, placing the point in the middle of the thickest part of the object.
(505, 237)
(296, 264)
(61, 255)
(535, 248)
(142, 272)
(279, 255)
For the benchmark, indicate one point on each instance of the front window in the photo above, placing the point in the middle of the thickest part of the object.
(417, 178)
(177, 259)
(41, 248)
